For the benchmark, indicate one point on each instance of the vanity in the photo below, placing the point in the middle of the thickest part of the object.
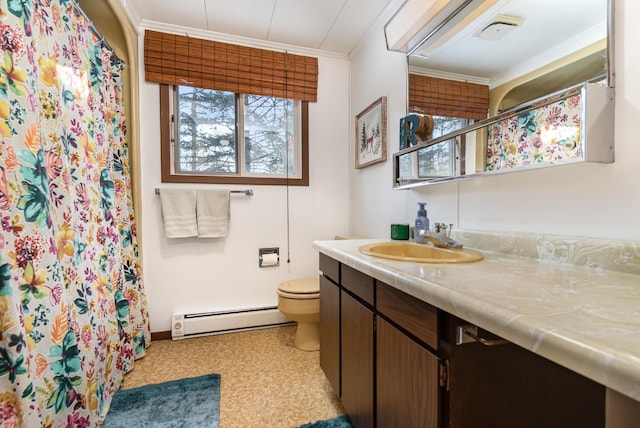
(508, 341)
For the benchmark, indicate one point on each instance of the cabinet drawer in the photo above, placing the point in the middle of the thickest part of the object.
(358, 283)
(415, 316)
(330, 268)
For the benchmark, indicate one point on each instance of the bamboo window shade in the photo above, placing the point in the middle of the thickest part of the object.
(182, 60)
(451, 98)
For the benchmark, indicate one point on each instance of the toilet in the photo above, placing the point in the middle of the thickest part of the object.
(299, 300)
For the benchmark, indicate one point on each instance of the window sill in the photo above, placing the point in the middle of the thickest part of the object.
(207, 179)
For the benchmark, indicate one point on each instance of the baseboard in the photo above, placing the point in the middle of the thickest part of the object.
(208, 323)
(161, 335)
(166, 335)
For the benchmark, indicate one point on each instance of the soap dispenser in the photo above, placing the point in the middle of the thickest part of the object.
(422, 223)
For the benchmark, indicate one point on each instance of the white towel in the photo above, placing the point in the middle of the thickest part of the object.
(212, 212)
(179, 212)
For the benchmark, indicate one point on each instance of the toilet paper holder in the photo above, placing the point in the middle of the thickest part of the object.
(268, 257)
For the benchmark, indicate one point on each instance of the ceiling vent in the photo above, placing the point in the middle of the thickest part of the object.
(499, 27)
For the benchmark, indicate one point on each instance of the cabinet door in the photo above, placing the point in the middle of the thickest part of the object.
(357, 361)
(507, 386)
(407, 381)
(330, 332)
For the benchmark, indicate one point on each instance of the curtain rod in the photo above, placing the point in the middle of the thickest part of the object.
(95, 31)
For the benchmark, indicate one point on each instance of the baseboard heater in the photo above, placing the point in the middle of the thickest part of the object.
(207, 323)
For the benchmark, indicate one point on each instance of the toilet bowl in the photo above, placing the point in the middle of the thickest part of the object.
(299, 300)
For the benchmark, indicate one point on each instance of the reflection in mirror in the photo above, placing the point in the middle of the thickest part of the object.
(439, 160)
(573, 125)
(512, 39)
(520, 51)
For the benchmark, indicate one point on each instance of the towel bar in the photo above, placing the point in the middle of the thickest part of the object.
(247, 192)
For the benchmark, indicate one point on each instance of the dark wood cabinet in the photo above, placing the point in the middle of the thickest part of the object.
(330, 268)
(347, 338)
(507, 386)
(416, 317)
(330, 332)
(406, 382)
(394, 361)
(358, 284)
(407, 369)
(357, 361)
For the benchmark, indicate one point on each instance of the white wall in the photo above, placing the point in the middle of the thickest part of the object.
(585, 200)
(376, 72)
(191, 275)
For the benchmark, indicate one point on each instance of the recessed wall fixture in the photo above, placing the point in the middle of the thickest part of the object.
(419, 21)
(499, 27)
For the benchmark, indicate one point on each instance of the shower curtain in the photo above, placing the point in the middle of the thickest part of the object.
(72, 304)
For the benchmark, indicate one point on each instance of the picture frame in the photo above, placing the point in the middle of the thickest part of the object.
(371, 134)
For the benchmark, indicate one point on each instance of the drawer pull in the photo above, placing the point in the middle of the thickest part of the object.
(467, 332)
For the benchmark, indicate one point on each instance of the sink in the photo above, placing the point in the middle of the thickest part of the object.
(420, 253)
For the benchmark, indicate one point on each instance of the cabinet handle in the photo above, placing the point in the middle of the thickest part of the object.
(471, 331)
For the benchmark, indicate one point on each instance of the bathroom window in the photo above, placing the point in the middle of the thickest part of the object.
(213, 136)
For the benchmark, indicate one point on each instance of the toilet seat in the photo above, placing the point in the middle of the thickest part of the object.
(300, 288)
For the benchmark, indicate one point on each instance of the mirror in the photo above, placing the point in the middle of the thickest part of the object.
(537, 46)
(523, 51)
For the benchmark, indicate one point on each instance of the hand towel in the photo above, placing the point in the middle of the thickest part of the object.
(179, 212)
(212, 213)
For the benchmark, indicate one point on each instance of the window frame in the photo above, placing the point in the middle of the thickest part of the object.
(167, 176)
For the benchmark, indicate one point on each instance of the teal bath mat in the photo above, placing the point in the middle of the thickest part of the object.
(192, 402)
(341, 421)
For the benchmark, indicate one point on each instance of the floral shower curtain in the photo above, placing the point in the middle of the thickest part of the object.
(72, 305)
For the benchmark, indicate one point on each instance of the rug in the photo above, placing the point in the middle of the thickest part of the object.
(191, 402)
(341, 421)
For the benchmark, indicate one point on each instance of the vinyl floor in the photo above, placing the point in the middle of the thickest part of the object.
(265, 381)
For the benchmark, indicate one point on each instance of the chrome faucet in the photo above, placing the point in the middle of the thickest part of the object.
(440, 237)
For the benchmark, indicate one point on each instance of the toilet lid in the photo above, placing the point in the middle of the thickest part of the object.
(301, 286)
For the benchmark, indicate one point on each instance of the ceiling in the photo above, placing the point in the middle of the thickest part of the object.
(327, 25)
(549, 29)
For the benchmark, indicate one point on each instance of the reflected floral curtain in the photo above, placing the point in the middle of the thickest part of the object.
(72, 305)
(548, 134)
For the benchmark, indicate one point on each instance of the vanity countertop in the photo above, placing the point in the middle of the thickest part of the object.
(585, 319)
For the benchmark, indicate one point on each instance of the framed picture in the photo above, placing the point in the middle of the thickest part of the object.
(371, 134)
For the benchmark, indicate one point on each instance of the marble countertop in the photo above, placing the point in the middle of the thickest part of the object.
(585, 319)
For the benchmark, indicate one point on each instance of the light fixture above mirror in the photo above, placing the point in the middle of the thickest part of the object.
(418, 21)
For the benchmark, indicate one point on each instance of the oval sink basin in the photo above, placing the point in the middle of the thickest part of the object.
(420, 253)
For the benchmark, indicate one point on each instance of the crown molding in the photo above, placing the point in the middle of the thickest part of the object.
(238, 40)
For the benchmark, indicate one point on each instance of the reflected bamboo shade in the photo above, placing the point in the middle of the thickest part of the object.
(451, 98)
(181, 60)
